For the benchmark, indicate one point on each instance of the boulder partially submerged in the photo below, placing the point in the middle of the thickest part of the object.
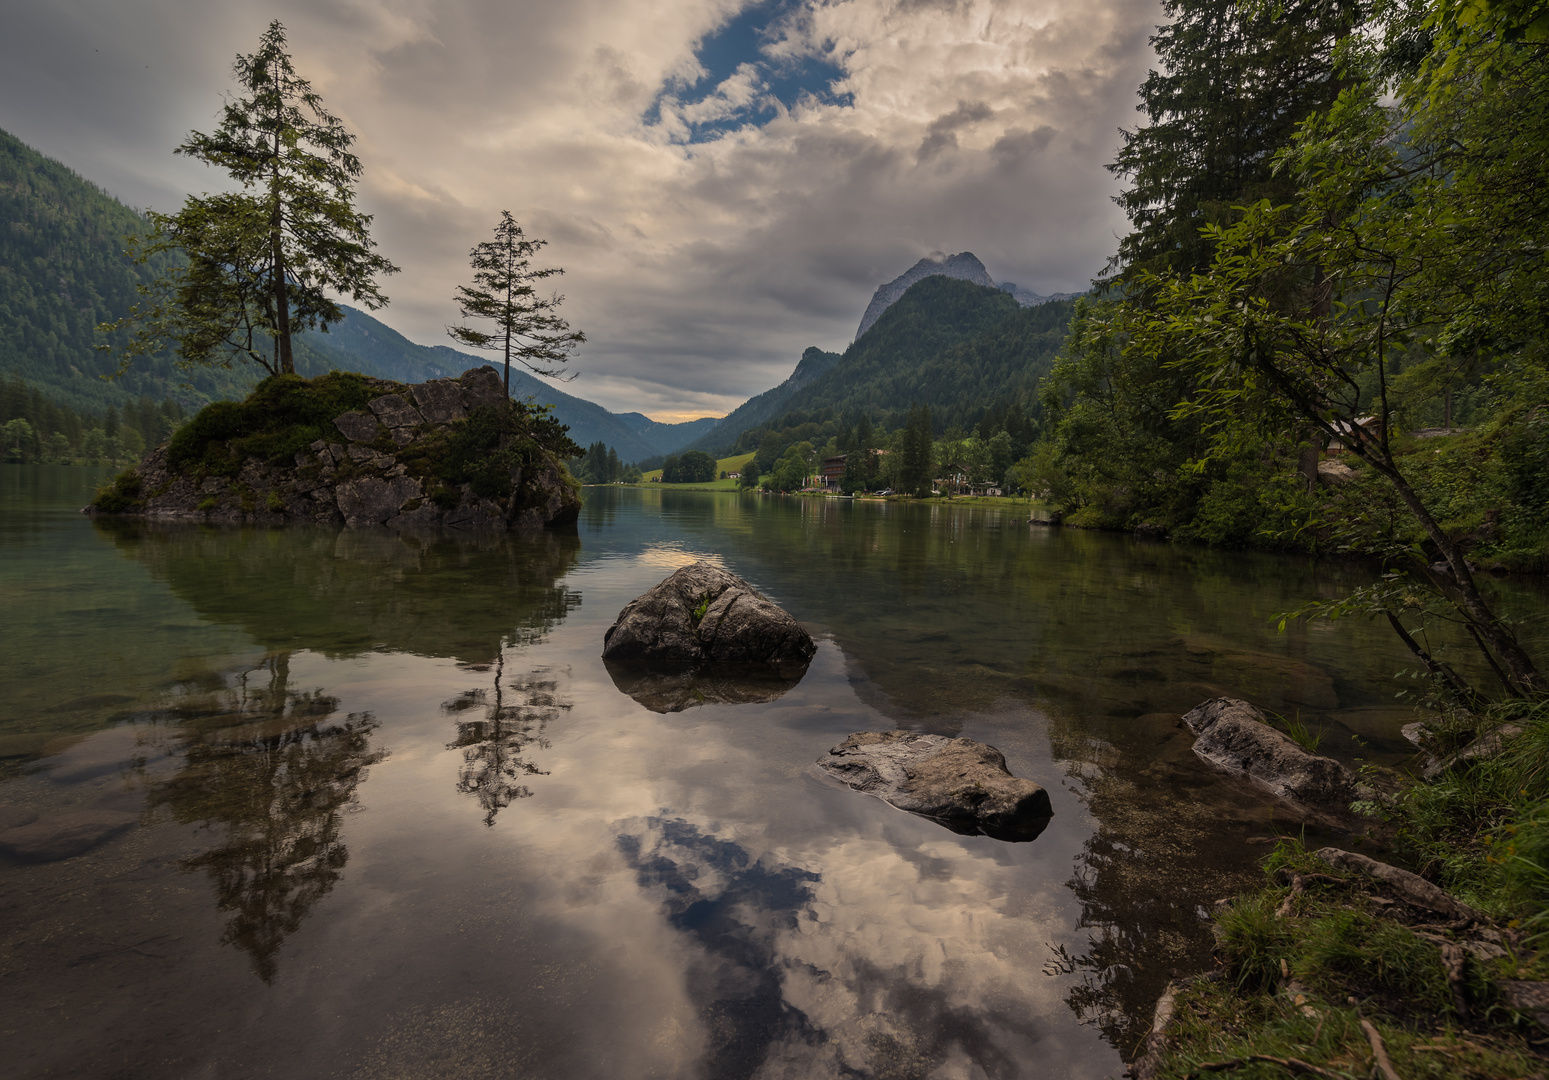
(355, 450)
(702, 616)
(674, 691)
(961, 783)
(1234, 735)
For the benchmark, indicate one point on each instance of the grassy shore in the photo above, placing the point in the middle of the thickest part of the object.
(1327, 971)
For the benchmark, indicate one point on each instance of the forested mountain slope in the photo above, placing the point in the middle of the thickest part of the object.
(758, 410)
(959, 348)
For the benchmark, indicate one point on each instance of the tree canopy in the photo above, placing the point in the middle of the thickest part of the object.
(258, 265)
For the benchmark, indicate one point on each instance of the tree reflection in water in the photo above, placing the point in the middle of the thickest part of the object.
(264, 764)
(494, 746)
(269, 766)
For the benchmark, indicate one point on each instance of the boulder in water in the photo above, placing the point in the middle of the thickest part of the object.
(674, 691)
(961, 783)
(1234, 735)
(704, 615)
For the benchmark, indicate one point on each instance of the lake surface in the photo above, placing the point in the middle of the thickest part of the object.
(362, 805)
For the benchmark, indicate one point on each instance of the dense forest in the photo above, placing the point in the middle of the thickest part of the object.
(1335, 201)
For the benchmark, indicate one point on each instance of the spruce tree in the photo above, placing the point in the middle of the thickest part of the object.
(1236, 79)
(526, 325)
(266, 262)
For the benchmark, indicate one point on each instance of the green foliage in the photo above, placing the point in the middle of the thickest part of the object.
(965, 351)
(282, 417)
(120, 496)
(257, 264)
(601, 465)
(691, 467)
(490, 450)
(1234, 82)
(915, 467)
(790, 473)
(1481, 829)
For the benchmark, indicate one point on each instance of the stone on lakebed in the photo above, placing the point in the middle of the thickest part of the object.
(961, 783)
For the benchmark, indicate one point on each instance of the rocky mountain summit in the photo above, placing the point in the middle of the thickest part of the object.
(965, 266)
(446, 452)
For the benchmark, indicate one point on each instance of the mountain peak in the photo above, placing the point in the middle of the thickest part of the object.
(964, 265)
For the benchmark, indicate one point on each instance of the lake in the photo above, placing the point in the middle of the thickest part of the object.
(362, 805)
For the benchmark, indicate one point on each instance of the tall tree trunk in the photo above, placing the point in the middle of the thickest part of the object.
(276, 240)
(1458, 585)
(281, 303)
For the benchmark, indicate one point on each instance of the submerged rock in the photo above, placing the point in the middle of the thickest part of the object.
(674, 691)
(55, 838)
(704, 615)
(1234, 735)
(961, 783)
(383, 463)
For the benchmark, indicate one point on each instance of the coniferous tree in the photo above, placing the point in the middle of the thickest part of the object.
(1235, 81)
(527, 327)
(266, 262)
(915, 468)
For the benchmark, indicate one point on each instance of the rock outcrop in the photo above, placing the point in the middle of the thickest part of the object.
(377, 465)
(1234, 735)
(964, 265)
(702, 615)
(961, 783)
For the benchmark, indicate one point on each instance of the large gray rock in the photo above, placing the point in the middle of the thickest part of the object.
(482, 386)
(382, 468)
(358, 426)
(374, 500)
(959, 782)
(702, 614)
(394, 411)
(1234, 735)
(55, 838)
(440, 400)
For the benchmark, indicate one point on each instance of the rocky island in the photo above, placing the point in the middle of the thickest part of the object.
(354, 450)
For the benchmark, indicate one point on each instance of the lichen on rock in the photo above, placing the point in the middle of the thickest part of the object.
(358, 451)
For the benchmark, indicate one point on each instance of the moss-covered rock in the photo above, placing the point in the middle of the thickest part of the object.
(355, 450)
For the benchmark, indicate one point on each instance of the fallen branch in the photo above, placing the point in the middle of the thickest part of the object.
(1295, 1066)
(1379, 1051)
(1412, 887)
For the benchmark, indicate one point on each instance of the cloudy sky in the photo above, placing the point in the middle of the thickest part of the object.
(725, 182)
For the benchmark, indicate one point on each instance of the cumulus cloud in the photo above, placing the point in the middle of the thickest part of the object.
(710, 228)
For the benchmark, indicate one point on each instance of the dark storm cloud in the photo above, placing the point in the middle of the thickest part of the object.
(700, 265)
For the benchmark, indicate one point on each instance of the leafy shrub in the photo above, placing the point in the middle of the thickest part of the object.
(120, 496)
(281, 417)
